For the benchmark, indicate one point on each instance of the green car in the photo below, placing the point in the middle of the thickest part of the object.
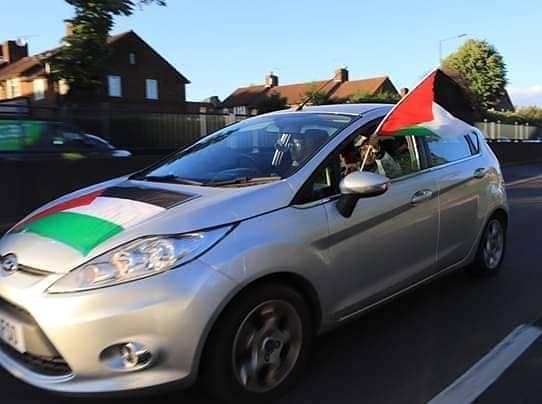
(43, 139)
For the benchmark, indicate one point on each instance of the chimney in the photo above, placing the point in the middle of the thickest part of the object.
(69, 29)
(271, 80)
(341, 75)
(11, 52)
(403, 92)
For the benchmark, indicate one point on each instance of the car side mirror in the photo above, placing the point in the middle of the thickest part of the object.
(357, 185)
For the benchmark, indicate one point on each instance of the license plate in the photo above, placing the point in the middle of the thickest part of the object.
(11, 332)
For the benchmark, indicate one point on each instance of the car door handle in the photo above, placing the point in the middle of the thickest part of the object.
(480, 173)
(421, 196)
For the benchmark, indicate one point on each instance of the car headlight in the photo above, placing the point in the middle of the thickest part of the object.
(138, 259)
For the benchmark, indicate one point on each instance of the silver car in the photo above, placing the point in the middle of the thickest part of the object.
(222, 262)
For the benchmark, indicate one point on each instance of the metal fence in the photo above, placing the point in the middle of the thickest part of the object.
(159, 132)
(499, 132)
(138, 131)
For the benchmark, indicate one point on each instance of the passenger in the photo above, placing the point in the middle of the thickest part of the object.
(349, 160)
(378, 160)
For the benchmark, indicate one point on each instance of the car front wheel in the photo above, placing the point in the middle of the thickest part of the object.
(259, 345)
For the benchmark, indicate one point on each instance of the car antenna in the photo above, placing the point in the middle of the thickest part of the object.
(310, 98)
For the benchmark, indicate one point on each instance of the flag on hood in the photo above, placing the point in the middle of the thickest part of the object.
(436, 107)
(86, 221)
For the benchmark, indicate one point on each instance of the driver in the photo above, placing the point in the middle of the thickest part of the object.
(378, 160)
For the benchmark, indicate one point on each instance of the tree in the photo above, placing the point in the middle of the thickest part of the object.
(81, 61)
(483, 68)
(316, 96)
(272, 102)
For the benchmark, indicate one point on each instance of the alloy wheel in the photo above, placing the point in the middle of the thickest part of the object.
(267, 345)
(494, 244)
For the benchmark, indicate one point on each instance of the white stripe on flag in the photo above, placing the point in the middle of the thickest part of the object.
(123, 212)
(446, 125)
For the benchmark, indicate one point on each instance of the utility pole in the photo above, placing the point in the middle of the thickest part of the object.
(444, 40)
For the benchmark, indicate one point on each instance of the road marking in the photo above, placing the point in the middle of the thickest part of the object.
(524, 180)
(483, 374)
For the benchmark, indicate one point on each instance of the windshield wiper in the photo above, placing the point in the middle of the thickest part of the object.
(170, 178)
(242, 180)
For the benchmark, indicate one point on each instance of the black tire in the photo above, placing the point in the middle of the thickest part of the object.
(482, 265)
(221, 376)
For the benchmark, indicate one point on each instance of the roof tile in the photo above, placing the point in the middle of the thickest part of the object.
(295, 93)
(17, 68)
(349, 88)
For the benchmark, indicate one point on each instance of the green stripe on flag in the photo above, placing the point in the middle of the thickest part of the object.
(416, 131)
(81, 232)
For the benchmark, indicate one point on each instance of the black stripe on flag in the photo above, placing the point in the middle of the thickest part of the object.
(154, 196)
(451, 96)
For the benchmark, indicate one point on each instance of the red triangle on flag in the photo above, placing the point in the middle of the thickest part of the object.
(83, 200)
(415, 107)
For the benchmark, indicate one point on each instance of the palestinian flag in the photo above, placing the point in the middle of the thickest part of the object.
(85, 222)
(436, 107)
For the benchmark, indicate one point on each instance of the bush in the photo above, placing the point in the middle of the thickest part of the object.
(384, 97)
(525, 115)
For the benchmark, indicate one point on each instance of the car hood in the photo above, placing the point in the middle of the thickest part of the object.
(75, 228)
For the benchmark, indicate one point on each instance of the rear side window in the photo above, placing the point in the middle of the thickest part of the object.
(446, 150)
(474, 142)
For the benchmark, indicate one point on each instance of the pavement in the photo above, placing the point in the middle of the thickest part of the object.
(456, 338)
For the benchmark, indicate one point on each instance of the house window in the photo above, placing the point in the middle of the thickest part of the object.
(241, 110)
(151, 89)
(63, 87)
(132, 58)
(115, 86)
(39, 89)
(14, 88)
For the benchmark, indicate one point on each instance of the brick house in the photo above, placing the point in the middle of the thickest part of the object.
(245, 100)
(136, 77)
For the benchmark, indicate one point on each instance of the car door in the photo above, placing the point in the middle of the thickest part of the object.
(388, 243)
(460, 172)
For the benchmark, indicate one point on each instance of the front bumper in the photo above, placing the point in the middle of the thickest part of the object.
(169, 314)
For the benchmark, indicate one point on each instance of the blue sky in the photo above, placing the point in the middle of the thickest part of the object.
(221, 45)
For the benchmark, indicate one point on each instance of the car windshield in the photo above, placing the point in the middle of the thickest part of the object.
(257, 150)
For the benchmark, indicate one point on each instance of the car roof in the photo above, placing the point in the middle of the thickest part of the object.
(349, 109)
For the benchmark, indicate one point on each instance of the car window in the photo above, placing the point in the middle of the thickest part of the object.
(393, 157)
(474, 142)
(396, 157)
(265, 147)
(445, 150)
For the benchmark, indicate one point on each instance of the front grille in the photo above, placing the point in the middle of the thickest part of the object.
(51, 365)
(39, 364)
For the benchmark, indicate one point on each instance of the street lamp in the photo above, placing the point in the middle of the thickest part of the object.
(444, 40)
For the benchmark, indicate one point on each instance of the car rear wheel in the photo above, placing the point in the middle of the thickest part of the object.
(259, 345)
(491, 249)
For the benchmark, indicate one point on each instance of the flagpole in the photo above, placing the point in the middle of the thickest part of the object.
(444, 40)
(369, 149)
